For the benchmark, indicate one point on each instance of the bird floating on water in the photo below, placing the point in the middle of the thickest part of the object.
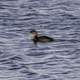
(37, 38)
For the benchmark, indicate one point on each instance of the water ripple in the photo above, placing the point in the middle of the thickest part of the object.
(20, 59)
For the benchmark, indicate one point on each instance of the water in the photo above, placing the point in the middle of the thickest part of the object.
(20, 59)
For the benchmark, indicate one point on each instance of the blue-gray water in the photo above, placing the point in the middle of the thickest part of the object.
(20, 59)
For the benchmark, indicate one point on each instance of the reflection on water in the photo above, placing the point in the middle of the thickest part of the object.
(20, 59)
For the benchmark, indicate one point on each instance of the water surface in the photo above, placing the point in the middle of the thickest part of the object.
(20, 59)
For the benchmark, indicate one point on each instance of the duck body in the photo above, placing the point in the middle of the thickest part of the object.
(43, 39)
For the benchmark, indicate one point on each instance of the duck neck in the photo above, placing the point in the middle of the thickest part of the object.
(36, 37)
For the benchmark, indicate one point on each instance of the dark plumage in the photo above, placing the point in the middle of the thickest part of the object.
(36, 38)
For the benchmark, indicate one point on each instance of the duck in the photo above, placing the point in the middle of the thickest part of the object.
(37, 38)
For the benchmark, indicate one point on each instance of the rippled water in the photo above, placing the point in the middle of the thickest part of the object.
(20, 59)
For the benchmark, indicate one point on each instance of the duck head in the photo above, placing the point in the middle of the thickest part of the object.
(34, 33)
